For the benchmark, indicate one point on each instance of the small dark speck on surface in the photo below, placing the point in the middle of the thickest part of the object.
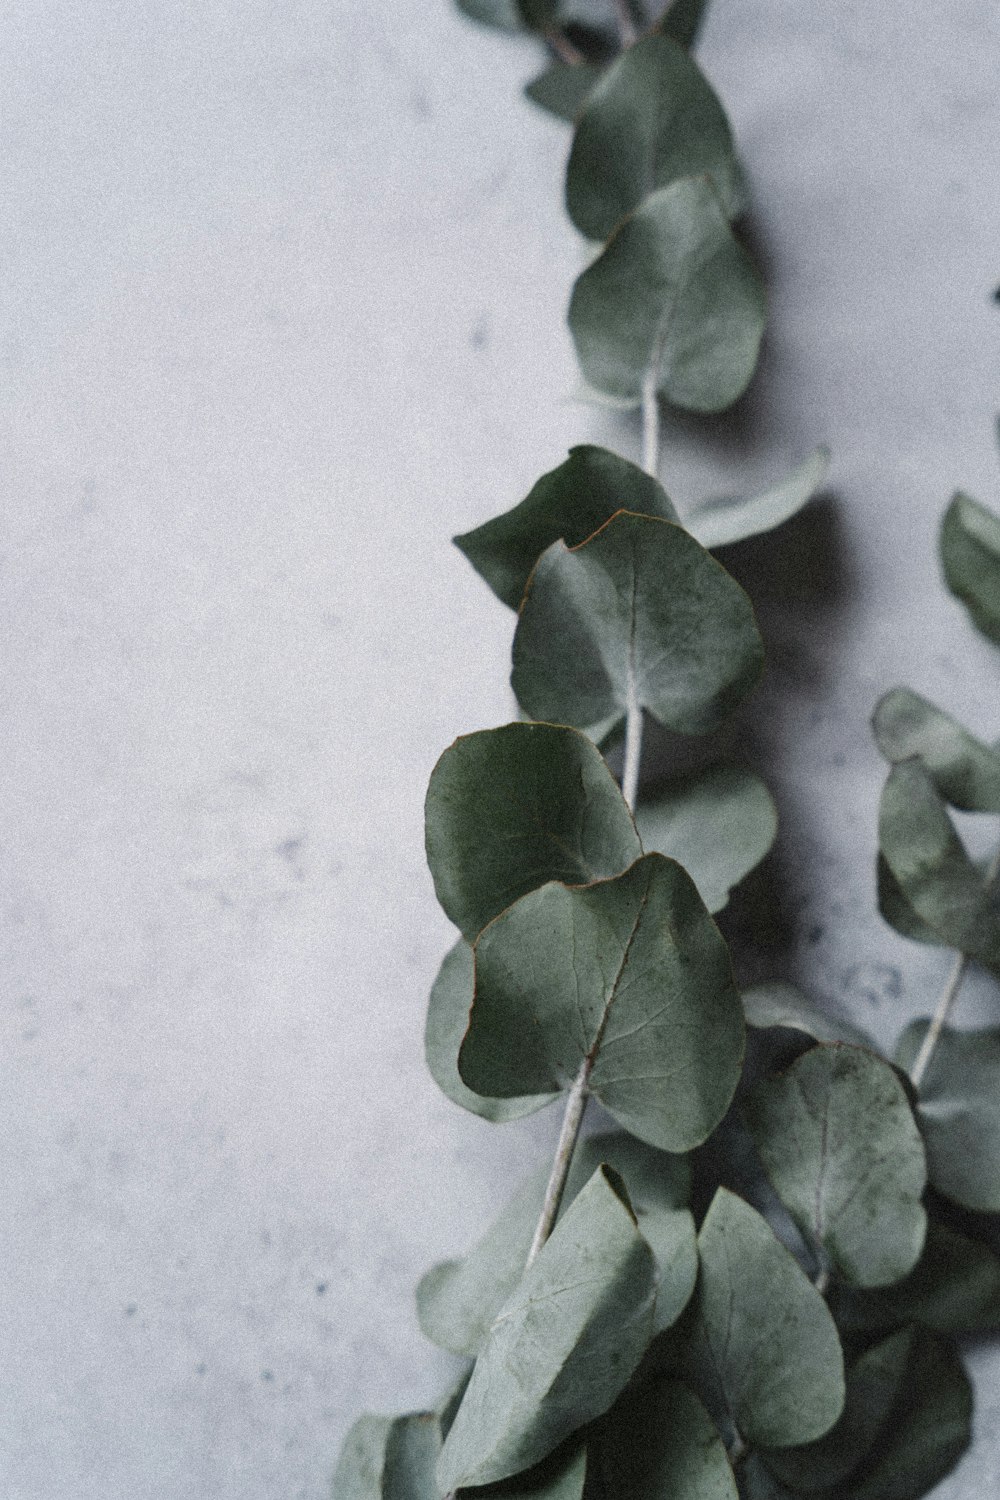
(267, 1375)
(320, 1288)
(200, 1369)
(131, 1309)
(479, 338)
(814, 934)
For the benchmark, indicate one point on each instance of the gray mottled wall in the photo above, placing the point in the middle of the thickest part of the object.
(282, 304)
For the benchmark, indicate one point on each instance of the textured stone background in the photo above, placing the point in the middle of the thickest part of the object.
(282, 308)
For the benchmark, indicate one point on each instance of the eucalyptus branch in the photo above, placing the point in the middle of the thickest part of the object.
(651, 425)
(563, 47)
(576, 1104)
(626, 25)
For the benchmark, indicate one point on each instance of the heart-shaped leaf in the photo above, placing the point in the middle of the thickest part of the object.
(970, 555)
(873, 1386)
(627, 981)
(638, 616)
(660, 1442)
(562, 1347)
(564, 88)
(570, 503)
(954, 1288)
(458, 1300)
(718, 823)
(508, 809)
(718, 523)
(839, 1142)
(964, 770)
(781, 1006)
(959, 1112)
(765, 1348)
(652, 120)
(447, 1020)
(673, 303)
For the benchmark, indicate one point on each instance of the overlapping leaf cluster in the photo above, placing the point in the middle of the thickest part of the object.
(746, 1287)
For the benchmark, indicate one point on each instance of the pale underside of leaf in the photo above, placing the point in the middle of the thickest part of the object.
(720, 522)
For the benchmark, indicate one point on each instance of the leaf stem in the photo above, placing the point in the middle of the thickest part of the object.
(948, 997)
(626, 25)
(576, 1103)
(563, 47)
(633, 748)
(651, 424)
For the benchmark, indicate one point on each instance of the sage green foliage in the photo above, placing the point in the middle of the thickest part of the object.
(673, 298)
(964, 770)
(766, 1346)
(385, 1458)
(447, 1019)
(660, 1443)
(628, 977)
(839, 1142)
(931, 870)
(728, 519)
(563, 88)
(508, 809)
(563, 1345)
(570, 503)
(718, 823)
(458, 1300)
(954, 1288)
(874, 1382)
(780, 1006)
(682, 20)
(561, 1476)
(640, 613)
(652, 119)
(504, 14)
(959, 1112)
(970, 556)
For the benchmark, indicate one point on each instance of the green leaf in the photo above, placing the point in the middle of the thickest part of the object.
(873, 1386)
(639, 614)
(970, 555)
(538, 15)
(563, 1346)
(928, 1431)
(718, 523)
(959, 1112)
(561, 1476)
(505, 15)
(563, 88)
(965, 771)
(898, 912)
(652, 120)
(683, 19)
(659, 1443)
(509, 809)
(570, 503)
(458, 1300)
(629, 978)
(954, 1288)
(718, 823)
(931, 868)
(766, 1345)
(447, 1020)
(839, 1142)
(673, 299)
(779, 1005)
(390, 1458)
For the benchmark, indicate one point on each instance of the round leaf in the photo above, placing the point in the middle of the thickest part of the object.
(954, 1288)
(650, 121)
(629, 976)
(569, 503)
(959, 1112)
(660, 1442)
(965, 771)
(970, 555)
(718, 823)
(718, 523)
(782, 1006)
(639, 614)
(563, 88)
(673, 299)
(508, 809)
(388, 1457)
(765, 1339)
(562, 1347)
(838, 1140)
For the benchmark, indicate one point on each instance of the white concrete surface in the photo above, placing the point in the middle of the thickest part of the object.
(282, 308)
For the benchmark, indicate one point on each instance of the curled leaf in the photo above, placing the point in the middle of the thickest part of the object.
(718, 523)
(718, 823)
(959, 1112)
(964, 770)
(970, 556)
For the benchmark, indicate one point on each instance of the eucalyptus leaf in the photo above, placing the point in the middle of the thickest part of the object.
(718, 823)
(563, 88)
(563, 1346)
(954, 1289)
(659, 1443)
(570, 503)
(505, 15)
(627, 980)
(959, 1112)
(447, 1019)
(561, 1476)
(874, 1382)
(777, 1005)
(970, 556)
(898, 912)
(458, 1300)
(509, 809)
(719, 522)
(652, 120)
(839, 1142)
(765, 1344)
(638, 614)
(390, 1458)
(673, 300)
(682, 20)
(965, 771)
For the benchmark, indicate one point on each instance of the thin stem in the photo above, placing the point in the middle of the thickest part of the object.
(563, 47)
(948, 997)
(737, 1451)
(633, 747)
(651, 425)
(822, 1281)
(576, 1103)
(626, 25)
